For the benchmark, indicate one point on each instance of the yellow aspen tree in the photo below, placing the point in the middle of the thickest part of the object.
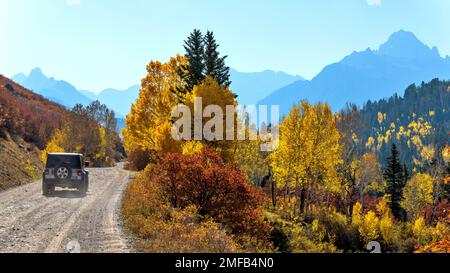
(417, 193)
(308, 151)
(251, 160)
(153, 107)
(212, 93)
(357, 215)
(387, 231)
(369, 229)
(368, 175)
(55, 145)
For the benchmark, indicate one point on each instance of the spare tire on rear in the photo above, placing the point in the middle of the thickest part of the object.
(63, 172)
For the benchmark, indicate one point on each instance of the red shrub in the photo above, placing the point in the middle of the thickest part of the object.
(370, 203)
(139, 159)
(28, 115)
(219, 191)
(437, 213)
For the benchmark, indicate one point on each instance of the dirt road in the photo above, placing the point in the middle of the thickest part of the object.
(66, 222)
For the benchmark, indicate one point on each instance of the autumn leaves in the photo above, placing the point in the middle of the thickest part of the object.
(308, 152)
(329, 191)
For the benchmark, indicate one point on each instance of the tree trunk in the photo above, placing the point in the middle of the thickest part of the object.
(308, 201)
(296, 196)
(302, 200)
(274, 197)
(328, 199)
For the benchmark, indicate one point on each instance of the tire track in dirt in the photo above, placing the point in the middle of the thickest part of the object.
(30, 222)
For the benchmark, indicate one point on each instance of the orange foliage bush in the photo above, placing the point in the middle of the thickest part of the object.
(28, 115)
(139, 159)
(443, 244)
(219, 191)
(162, 228)
(437, 213)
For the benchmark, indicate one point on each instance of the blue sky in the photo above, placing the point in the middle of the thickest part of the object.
(96, 44)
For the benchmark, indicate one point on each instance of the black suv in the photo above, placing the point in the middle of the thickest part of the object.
(65, 171)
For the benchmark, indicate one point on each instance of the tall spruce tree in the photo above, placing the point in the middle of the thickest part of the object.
(406, 175)
(195, 50)
(396, 177)
(204, 60)
(214, 64)
(447, 182)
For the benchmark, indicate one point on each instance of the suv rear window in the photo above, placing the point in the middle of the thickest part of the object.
(71, 161)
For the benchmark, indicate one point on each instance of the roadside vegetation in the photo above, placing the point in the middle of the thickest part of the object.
(32, 126)
(89, 130)
(337, 181)
(195, 203)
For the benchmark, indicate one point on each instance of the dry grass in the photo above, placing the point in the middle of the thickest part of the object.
(20, 163)
(163, 229)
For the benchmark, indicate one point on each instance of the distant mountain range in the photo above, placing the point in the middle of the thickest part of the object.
(68, 95)
(61, 92)
(250, 87)
(357, 78)
(367, 75)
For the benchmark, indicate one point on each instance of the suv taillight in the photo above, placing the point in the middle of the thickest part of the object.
(80, 173)
(46, 172)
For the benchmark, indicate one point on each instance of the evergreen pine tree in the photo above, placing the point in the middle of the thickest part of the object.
(195, 49)
(214, 64)
(204, 60)
(447, 182)
(406, 175)
(396, 181)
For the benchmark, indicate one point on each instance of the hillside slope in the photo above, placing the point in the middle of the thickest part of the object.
(27, 121)
(20, 163)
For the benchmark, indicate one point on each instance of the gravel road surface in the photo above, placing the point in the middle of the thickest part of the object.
(66, 222)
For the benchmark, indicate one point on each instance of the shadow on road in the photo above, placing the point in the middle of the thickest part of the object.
(67, 194)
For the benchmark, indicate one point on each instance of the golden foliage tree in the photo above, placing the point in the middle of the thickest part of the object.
(368, 175)
(417, 194)
(213, 94)
(147, 124)
(369, 228)
(55, 145)
(308, 151)
(251, 160)
(387, 231)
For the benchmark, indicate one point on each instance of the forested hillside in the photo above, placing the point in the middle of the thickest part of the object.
(418, 122)
(27, 121)
(31, 126)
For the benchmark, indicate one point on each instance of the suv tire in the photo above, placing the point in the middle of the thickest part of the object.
(84, 188)
(48, 190)
(63, 172)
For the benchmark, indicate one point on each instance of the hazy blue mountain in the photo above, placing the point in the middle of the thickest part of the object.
(249, 86)
(58, 91)
(252, 87)
(119, 100)
(89, 94)
(368, 75)
(67, 95)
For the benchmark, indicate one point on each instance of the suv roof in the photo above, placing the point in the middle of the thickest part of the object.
(69, 159)
(70, 154)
